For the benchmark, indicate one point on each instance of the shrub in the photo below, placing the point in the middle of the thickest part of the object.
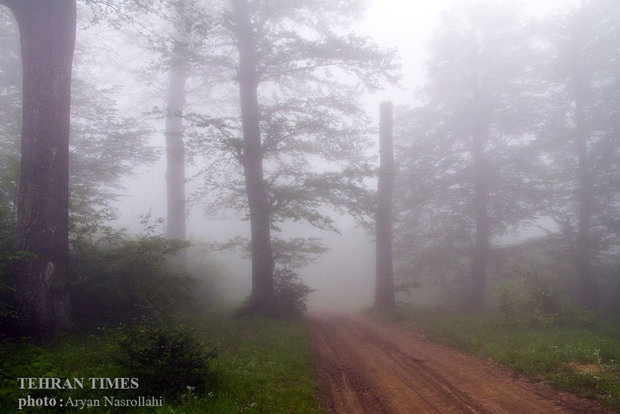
(289, 297)
(290, 293)
(118, 280)
(8, 313)
(166, 361)
(527, 298)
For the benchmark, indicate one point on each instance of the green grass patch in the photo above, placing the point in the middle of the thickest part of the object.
(584, 360)
(263, 366)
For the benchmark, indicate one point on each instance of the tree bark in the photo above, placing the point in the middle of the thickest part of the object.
(47, 31)
(588, 289)
(384, 288)
(252, 160)
(480, 254)
(175, 148)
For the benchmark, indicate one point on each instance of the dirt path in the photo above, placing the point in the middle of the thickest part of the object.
(364, 367)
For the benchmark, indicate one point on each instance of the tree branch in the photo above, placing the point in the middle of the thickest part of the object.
(10, 4)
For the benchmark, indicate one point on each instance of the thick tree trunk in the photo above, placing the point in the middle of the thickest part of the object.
(47, 41)
(480, 254)
(384, 288)
(258, 201)
(175, 148)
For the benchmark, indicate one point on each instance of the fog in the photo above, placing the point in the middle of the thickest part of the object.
(123, 54)
(348, 266)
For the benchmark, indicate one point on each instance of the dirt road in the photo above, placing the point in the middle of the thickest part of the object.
(364, 367)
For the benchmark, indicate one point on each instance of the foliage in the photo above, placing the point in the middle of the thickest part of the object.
(263, 366)
(578, 157)
(547, 111)
(105, 145)
(117, 279)
(575, 357)
(581, 47)
(527, 298)
(8, 226)
(290, 292)
(463, 149)
(302, 145)
(7, 311)
(266, 366)
(167, 361)
(289, 296)
(10, 82)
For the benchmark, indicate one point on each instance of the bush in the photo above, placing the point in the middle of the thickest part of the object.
(8, 313)
(290, 293)
(289, 297)
(527, 298)
(117, 280)
(166, 361)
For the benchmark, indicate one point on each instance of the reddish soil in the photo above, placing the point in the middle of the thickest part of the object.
(366, 367)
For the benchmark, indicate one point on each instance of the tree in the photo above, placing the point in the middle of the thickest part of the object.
(578, 135)
(175, 146)
(258, 202)
(105, 145)
(47, 42)
(296, 109)
(384, 290)
(463, 151)
(181, 48)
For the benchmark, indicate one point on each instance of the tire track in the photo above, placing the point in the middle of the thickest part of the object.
(364, 367)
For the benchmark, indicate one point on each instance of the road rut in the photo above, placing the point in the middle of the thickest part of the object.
(366, 367)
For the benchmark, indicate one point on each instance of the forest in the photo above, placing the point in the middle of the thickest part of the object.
(263, 206)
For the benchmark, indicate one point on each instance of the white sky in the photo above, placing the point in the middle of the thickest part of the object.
(408, 25)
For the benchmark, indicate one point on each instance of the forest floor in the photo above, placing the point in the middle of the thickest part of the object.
(366, 367)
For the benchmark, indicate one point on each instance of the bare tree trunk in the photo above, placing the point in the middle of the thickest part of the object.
(480, 254)
(384, 288)
(588, 291)
(175, 148)
(258, 201)
(47, 31)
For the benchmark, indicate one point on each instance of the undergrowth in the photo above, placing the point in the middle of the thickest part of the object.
(262, 365)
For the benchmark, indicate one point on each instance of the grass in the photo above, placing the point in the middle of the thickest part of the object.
(264, 366)
(584, 360)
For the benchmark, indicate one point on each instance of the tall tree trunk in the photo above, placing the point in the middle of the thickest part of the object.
(175, 148)
(256, 188)
(47, 31)
(384, 288)
(588, 289)
(480, 254)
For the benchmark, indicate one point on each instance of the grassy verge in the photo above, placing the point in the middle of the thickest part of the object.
(584, 360)
(264, 366)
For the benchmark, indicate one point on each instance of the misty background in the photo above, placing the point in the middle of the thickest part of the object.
(122, 59)
(349, 265)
